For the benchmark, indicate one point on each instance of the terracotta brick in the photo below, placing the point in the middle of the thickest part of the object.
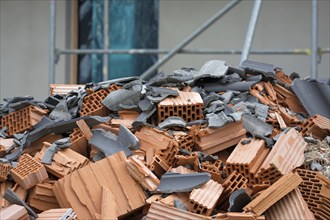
(191, 160)
(215, 169)
(212, 141)
(37, 145)
(291, 206)
(64, 161)
(182, 170)
(286, 154)
(185, 141)
(14, 212)
(79, 142)
(238, 216)
(317, 126)
(159, 211)
(82, 189)
(4, 171)
(127, 118)
(204, 199)
(282, 77)
(274, 193)
(20, 191)
(63, 89)
(142, 174)
(233, 182)
(28, 172)
(169, 200)
(42, 197)
(3, 188)
(23, 119)
(247, 159)
(315, 189)
(188, 105)
(64, 213)
(92, 104)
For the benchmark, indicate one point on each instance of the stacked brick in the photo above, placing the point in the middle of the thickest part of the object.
(23, 119)
(92, 104)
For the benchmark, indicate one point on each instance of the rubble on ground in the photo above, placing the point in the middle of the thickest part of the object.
(222, 142)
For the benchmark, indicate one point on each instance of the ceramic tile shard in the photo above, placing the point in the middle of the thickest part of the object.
(82, 189)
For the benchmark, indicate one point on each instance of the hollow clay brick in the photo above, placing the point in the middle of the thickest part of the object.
(23, 119)
(188, 105)
(28, 172)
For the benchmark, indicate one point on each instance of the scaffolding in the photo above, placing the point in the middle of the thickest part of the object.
(315, 52)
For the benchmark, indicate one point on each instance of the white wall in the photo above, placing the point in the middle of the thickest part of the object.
(281, 25)
(24, 47)
(24, 39)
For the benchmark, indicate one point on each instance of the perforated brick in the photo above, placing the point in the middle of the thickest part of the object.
(92, 104)
(188, 105)
(23, 119)
(28, 172)
(315, 191)
(4, 171)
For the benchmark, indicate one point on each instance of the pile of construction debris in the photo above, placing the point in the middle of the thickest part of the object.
(223, 142)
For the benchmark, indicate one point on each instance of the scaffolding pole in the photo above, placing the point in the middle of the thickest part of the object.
(314, 57)
(191, 51)
(106, 40)
(251, 30)
(149, 72)
(52, 42)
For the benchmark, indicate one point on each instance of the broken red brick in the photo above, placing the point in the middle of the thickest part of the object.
(316, 126)
(42, 197)
(204, 199)
(28, 172)
(212, 141)
(274, 193)
(315, 189)
(64, 161)
(23, 119)
(188, 105)
(92, 104)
